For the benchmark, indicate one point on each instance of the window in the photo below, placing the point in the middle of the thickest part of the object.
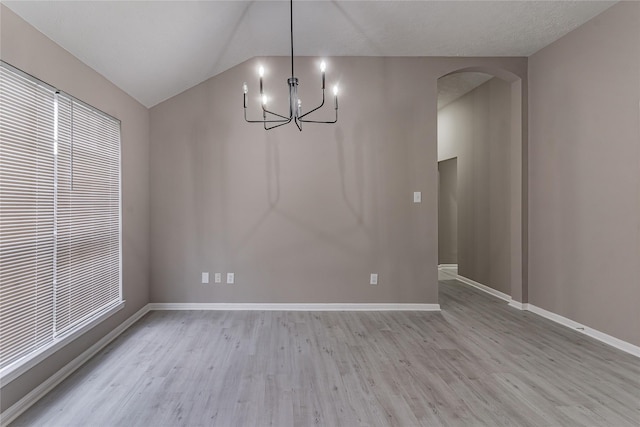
(60, 232)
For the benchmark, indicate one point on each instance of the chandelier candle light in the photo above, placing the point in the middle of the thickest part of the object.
(271, 120)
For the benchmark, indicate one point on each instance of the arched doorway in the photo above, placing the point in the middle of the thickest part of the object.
(516, 206)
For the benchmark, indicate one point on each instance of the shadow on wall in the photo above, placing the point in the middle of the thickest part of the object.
(272, 183)
(351, 190)
(357, 207)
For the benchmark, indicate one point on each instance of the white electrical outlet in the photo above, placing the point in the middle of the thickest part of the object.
(217, 277)
(205, 277)
(417, 197)
(231, 278)
(374, 279)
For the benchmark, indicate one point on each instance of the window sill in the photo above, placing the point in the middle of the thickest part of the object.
(21, 366)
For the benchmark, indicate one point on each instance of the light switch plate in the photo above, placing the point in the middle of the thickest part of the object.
(205, 277)
(231, 278)
(217, 277)
(417, 197)
(374, 279)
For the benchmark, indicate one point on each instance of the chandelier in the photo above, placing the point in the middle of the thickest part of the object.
(271, 120)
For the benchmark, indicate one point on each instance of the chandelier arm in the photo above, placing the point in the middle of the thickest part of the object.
(287, 120)
(275, 126)
(316, 121)
(267, 121)
(298, 124)
(276, 114)
(311, 111)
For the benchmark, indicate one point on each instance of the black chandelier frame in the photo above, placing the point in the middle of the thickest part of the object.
(272, 120)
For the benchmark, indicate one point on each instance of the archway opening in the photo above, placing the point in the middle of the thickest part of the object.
(480, 203)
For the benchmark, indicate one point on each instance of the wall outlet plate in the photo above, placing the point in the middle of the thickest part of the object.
(417, 197)
(231, 278)
(205, 277)
(373, 280)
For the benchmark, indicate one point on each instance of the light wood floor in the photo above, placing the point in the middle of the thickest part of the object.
(477, 363)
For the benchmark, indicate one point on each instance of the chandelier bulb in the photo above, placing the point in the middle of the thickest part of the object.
(323, 66)
(335, 90)
(245, 88)
(264, 99)
(261, 71)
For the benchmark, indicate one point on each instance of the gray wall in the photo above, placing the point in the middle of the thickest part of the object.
(585, 174)
(448, 211)
(476, 129)
(301, 217)
(24, 47)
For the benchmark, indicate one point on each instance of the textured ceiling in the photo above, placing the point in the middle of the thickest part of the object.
(156, 49)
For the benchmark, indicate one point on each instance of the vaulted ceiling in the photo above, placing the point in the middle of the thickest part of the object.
(154, 50)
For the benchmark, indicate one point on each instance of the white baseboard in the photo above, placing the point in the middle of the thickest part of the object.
(448, 266)
(37, 393)
(496, 293)
(517, 304)
(593, 333)
(452, 270)
(295, 307)
(448, 270)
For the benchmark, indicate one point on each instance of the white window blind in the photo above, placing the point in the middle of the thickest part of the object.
(60, 247)
(88, 215)
(26, 216)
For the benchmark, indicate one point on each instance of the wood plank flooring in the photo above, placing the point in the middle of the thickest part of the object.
(477, 363)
